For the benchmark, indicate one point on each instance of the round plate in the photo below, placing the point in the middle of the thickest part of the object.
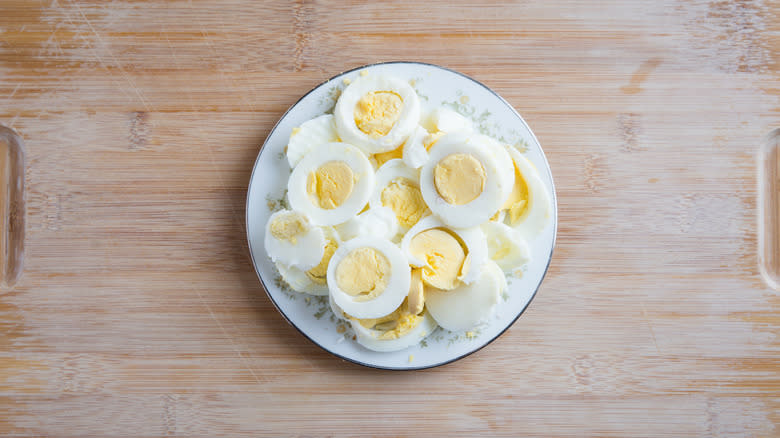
(436, 86)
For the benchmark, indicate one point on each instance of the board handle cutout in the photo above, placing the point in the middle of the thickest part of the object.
(769, 209)
(12, 207)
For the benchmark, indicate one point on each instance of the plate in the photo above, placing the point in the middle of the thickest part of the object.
(436, 86)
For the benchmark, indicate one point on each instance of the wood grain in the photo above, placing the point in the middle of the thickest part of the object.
(138, 312)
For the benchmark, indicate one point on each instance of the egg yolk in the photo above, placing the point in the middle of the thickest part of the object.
(330, 185)
(431, 139)
(416, 297)
(404, 198)
(394, 325)
(377, 111)
(383, 157)
(517, 202)
(363, 273)
(288, 227)
(319, 273)
(443, 256)
(459, 178)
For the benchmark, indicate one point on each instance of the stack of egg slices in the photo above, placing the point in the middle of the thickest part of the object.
(406, 222)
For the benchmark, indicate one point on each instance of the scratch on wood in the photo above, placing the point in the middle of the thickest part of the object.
(629, 128)
(302, 11)
(139, 130)
(593, 172)
(640, 75)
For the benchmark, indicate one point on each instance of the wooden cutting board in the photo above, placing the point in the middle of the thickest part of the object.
(137, 311)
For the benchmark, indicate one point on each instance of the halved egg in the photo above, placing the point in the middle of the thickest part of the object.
(397, 187)
(528, 205)
(447, 255)
(399, 330)
(469, 304)
(314, 280)
(377, 113)
(376, 221)
(368, 277)
(506, 246)
(291, 239)
(461, 182)
(309, 135)
(331, 183)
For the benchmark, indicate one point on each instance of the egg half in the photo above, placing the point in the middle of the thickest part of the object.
(397, 187)
(291, 239)
(506, 246)
(377, 113)
(368, 277)
(331, 183)
(312, 281)
(528, 205)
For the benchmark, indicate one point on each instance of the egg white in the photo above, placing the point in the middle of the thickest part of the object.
(297, 279)
(345, 109)
(414, 152)
(446, 120)
(376, 221)
(506, 246)
(307, 251)
(362, 189)
(395, 291)
(309, 135)
(386, 174)
(506, 170)
(484, 206)
(537, 214)
(467, 305)
(473, 239)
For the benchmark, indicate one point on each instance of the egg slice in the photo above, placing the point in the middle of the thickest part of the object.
(415, 152)
(368, 277)
(436, 253)
(314, 280)
(376, 221)
(331, 183)
(377, 113)
(292, 240)
(461, 181)
(528, 205)
(399, 330)
(506, 246)
(446, 120)
(469, 304)
(310, 134)
(397, 187)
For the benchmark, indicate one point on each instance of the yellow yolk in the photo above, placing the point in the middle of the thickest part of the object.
(363, 273)
(404, 198)
(319, 273)
(443, 256)
(288, 227)
(395, 324)
(431, 139)
(517, 201)
(416, 297)
(459, 178)
(377, 112)
(383, 157)
(331, 184)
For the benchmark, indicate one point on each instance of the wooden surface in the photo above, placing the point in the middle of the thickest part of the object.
(138, 311)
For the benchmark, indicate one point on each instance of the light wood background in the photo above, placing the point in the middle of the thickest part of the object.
(138, 311)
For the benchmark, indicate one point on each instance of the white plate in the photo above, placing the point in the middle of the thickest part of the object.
(311, 315)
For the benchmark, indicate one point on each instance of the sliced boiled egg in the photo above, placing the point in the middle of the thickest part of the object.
(399, 330)
(331, 183)
(469, 304)
(376, 221)
(461, 182)
(368, 277)
(314, 280)
(506, 246)
(446, 255)
(377, 113)
(291, 239)
(528, 205)
(397, 187)
(309, 135)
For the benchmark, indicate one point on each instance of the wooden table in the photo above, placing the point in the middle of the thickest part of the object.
(138, 311)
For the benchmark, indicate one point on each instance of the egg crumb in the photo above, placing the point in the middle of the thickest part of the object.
(459, 178)
(289, 227)
(443, 256)
(411, 358)
(318, 274)
(377, 111)
(364, 73)
(331, 184)
(363, 273)
(346, 81)
(470, 335)
(295, 131)
(404, 198)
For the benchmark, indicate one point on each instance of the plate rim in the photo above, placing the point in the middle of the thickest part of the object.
(356, 361)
